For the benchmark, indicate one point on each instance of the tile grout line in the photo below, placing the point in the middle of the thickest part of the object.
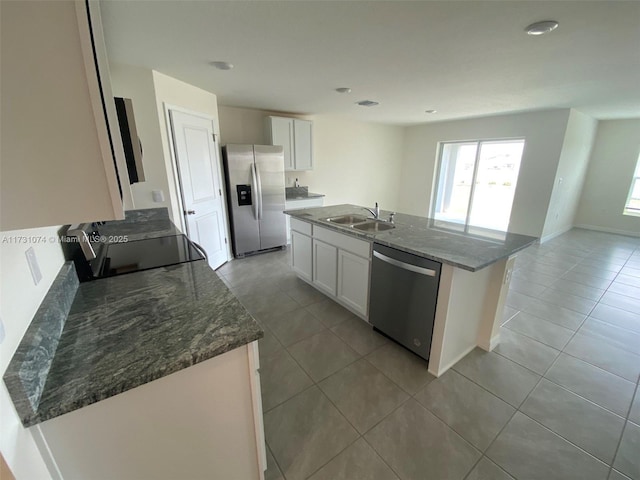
(624, 427)
(362, 357)
(517, 409)
(529, 394)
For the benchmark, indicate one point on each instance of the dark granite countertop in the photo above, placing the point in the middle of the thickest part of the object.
(141, 224)
(304, 197)
(300, 193)
(93, 340)
(125, 331)
(437, 240)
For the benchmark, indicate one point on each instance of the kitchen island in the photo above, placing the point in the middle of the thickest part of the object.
(476, 267)
(152, 374)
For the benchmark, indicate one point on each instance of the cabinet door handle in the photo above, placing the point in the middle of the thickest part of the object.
(190, 212)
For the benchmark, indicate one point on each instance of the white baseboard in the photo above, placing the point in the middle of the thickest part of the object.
(546, 238)
(598, 228)
(444, 368)
(493, 343)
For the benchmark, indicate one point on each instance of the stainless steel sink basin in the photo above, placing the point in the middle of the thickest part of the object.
(373, 227)
(347, 219)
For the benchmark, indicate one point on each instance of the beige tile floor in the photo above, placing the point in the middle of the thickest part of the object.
(557, 399)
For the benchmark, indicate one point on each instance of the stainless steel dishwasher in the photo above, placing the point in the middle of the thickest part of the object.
(403, 296)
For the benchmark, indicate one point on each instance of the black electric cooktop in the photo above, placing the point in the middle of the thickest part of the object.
(138, 255)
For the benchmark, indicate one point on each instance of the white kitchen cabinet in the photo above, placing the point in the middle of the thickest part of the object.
(301, 255)
(325, 262)
(303, 144)
(299, 204)
(280, 132)
(296, 137)
(60, 135)
(338, 265)
(353, 281)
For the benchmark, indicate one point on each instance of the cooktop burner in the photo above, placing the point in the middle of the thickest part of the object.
(138, 255)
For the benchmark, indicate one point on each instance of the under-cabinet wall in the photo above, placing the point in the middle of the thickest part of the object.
(60, 135)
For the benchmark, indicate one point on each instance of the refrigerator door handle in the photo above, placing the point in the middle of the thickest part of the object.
(259, 181)
(254, 186)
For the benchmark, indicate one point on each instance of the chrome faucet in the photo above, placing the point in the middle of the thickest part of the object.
(375, 211)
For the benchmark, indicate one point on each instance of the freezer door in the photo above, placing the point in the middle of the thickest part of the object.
(239, 168)
(270, 172)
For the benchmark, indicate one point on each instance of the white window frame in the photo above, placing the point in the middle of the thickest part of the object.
(436, 180)
(628, 210)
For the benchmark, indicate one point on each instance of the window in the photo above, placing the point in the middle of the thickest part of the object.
(477, 182)
(632, 207)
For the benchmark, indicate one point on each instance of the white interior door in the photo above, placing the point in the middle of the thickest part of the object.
(200, 183)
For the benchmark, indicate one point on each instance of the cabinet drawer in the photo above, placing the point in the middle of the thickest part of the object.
(300, 226)
(340, 240)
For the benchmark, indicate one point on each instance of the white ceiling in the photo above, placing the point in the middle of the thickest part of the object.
(463, 58)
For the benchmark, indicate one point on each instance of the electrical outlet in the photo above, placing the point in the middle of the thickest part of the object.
(507, 276)
(36, 274)
(158, 196)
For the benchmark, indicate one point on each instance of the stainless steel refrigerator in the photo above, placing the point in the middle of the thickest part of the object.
(254, 177)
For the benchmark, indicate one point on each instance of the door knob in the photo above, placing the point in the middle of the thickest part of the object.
(190, 212)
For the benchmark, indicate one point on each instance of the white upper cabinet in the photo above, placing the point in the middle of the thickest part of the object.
(280, 132)
(303, 145)
(60, 135)
(296, 137)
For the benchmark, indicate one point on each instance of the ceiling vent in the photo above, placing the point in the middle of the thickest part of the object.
(367, 103)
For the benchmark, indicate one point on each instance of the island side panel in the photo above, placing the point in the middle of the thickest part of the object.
(489, 333)
(256, 399)
(194, 423)
(468, 313)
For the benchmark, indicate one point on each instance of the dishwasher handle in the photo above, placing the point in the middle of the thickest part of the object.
(405, 266)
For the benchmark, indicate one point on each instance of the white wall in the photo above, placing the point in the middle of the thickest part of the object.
(354, 162)
(150, 91)
(570, 175)
(136, 83)
(19, 300)
(613, 160)
(172, 92)
(246, 125)
(544, 136)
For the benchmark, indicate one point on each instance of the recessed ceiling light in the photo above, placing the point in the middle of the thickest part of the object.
(540, 28)
(222, 65)
(367, 103)
(343, 90)
(431, 111)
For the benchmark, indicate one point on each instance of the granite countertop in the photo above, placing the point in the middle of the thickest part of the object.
(304, 197)
(300, 193)
(93, 340)
(141, 224)
(436, 240)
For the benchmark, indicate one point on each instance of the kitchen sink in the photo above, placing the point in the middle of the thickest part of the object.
(373, 227)
(347, 219)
